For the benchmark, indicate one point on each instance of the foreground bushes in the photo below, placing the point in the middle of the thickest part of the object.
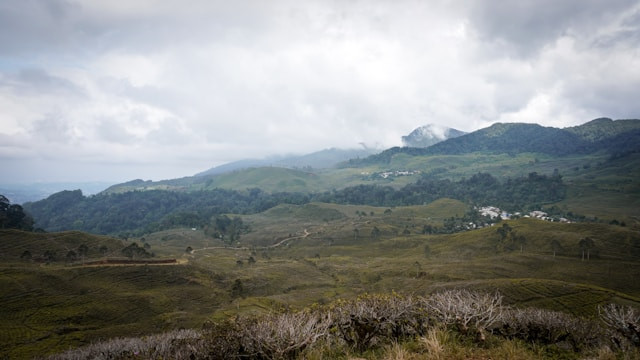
(381, 322)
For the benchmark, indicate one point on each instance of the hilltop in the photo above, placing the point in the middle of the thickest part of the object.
(430, 134)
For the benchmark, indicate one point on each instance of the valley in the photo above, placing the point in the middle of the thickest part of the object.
(146, 257)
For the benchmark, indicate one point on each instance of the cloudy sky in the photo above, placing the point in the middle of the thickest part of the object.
(123, 89)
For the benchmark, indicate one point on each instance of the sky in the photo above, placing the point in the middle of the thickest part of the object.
(123, 89)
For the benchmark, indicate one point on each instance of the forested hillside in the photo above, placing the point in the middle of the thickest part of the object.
(138, 212)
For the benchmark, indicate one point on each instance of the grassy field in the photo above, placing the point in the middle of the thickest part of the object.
(295, 256)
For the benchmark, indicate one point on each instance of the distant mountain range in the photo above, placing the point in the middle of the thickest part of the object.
(423, 136)
(323, 159)
(430, 134)
(297, 173)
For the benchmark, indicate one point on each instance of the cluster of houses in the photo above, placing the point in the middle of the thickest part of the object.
(495, 213)
(396, 173)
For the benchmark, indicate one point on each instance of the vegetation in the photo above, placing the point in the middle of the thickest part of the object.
(382, 324)
(12, 216)
(141, 212)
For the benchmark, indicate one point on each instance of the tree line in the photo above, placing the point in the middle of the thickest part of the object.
(138, 212)
(480, 189)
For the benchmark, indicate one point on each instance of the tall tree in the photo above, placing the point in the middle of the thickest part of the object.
(586, 245)
(556, 246)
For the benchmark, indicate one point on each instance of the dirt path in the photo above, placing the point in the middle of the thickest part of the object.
(174, 262)
(279, 243)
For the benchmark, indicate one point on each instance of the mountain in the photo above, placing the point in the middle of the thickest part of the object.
(604, 128)
(600, 135)
(322, 159)
(430, 134)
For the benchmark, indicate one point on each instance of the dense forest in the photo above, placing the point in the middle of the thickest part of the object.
(138, 212)
(145, 211)
(480, 189)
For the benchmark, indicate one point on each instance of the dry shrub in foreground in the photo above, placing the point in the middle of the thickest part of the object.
(550, 327)
(467, 310)
(180, 344)
(284, 336)
(371, 319)
(623, 323)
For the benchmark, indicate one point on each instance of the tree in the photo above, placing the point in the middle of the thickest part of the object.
(520, 240)
(556, 246)
(427, 250)
(504, 231)
(4, 206)
(72, 256)
(133, 251)
(189, 249)
(237, 289)
(26, 255)
(375, 233)
(586, 245)
(49, 255)
(12, 216)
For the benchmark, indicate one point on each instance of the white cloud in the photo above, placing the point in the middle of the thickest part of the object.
(183, 86)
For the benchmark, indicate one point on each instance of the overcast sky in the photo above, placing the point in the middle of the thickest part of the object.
(123, 89)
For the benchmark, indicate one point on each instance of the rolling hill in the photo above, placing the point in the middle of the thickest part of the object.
(296, 255)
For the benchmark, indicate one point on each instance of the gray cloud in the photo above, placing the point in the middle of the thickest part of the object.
(31, 81)
(192, 84)
(527, 26)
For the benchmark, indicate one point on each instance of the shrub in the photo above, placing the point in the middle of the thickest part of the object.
(370, 319)
(284, 336)
(467, 310)
(550, 327)
(180, 344)
(623, 323)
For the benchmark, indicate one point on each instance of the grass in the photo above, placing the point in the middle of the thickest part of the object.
(49, 308)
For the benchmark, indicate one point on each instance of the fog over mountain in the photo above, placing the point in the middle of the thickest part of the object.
(430, 134)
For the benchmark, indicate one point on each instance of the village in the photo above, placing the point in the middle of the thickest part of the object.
(391, 174)
(495, 213)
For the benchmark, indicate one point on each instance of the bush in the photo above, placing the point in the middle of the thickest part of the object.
(467, 310)
(284, 336)
(180, 344)
(623, 323)
(550, 327)
(371, 319)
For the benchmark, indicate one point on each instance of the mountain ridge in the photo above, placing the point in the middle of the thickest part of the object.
(322, 159)
(603, 134)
